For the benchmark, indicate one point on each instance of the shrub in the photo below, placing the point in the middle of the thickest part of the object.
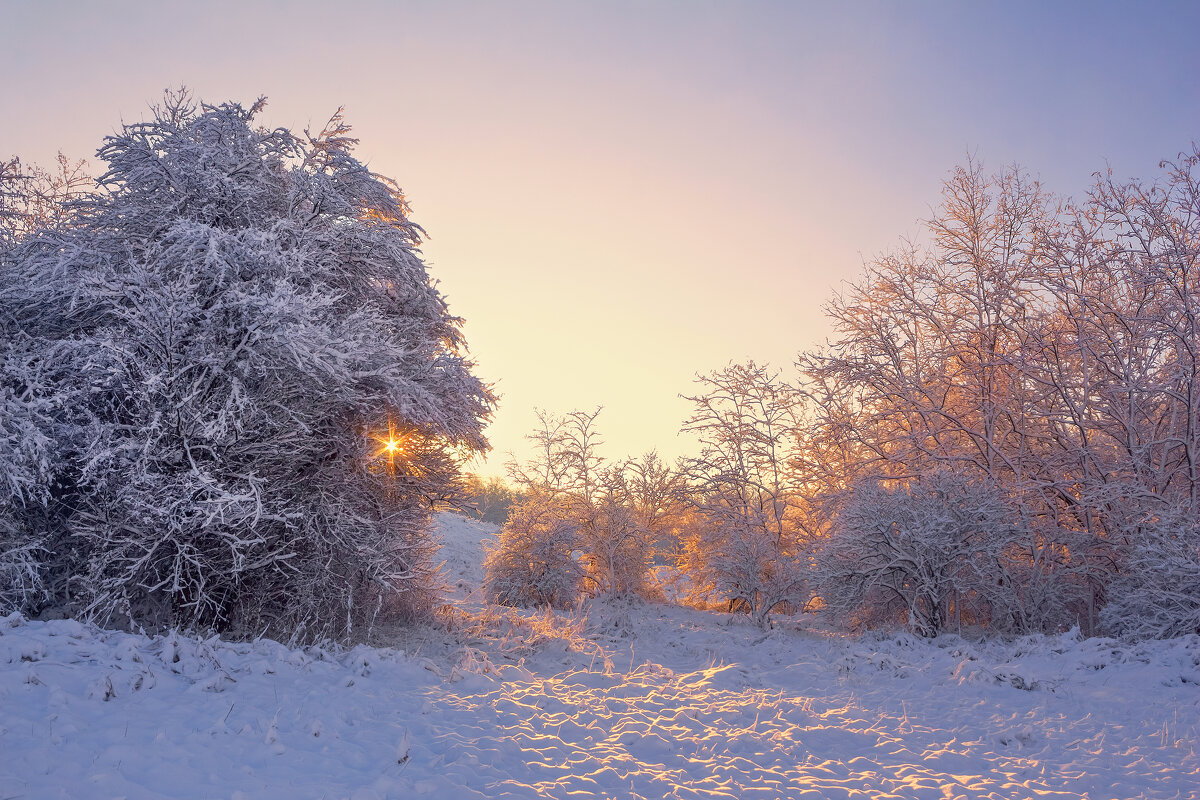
(535, 561)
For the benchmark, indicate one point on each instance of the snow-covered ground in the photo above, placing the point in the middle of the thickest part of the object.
(618, 700)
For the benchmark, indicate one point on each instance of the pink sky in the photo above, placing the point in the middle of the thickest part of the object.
(620, 195)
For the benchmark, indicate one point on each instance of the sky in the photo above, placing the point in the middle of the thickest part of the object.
(622, 195)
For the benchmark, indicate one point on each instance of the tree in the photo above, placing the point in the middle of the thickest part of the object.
(547, 470)
(1157, 593)
(656, 494)
(1047, 350)
(569, 482)
(255, 387)
(12, 199)
(489, 499)
(25, 468)
(749, 549)
(29, 198)
(913, 551)
(534, 562)
(33, 199)
(566, 458)
(617, 546)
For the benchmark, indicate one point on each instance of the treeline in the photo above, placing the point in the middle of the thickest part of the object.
(230, 396)
(1003, 433)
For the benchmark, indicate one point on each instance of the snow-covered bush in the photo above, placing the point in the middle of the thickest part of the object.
(1156, 595)
(907, 553)
(254, 383)
(25, 420)
(613, 508)
(748, 570)
(1030, 577)
(617, 545)
(747, 546)
(535, 561)
(24, 470)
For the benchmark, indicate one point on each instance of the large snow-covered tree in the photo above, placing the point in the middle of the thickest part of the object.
(30, 199)
(254, 388)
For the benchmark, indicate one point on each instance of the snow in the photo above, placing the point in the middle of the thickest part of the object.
(614, 699)
(462, 545)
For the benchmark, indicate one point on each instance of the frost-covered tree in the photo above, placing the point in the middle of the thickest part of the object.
(617, 545)
(1046, 349)
(750, 547)
(656, 493)
(26, 424)
(254, 386)
(1157, 593)
(604, 505)
(12, 193)
(912, 552)
(565, 456)
(536, 559)
(25, 454)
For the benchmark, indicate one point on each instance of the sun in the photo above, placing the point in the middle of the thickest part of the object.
(391, 445)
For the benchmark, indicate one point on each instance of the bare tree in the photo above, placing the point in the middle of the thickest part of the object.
(915, 551)
(657, 496)
(1047, 351)
(34, 199)
(617, 546)
(549, 469)
(594, 500)
(748, 549)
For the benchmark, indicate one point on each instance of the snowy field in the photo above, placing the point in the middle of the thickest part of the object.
(615, 700)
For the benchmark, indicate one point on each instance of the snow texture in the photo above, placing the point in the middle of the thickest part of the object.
(619, 699)
(462, 542)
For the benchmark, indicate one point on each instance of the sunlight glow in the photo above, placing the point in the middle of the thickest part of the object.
(391, 445)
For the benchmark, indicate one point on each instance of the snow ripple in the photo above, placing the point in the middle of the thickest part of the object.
(652, 734)
(86, 713)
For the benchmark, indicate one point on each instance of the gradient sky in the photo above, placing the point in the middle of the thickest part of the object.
(622, 194)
